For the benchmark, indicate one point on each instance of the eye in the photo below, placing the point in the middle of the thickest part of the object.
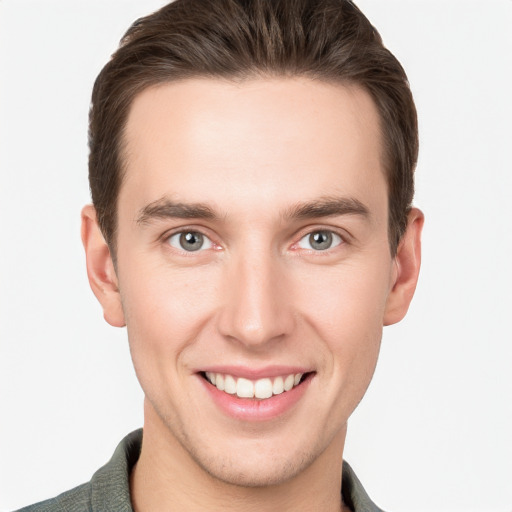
(320, 240)
(189, 241)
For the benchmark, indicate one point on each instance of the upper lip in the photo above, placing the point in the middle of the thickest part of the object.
(252, 373)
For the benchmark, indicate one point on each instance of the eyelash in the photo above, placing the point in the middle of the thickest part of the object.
(337, 238)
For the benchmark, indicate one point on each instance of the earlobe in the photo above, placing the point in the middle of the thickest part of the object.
(407, 267)
(100, 268)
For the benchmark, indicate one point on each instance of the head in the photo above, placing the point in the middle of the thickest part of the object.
(251, 169)
(324, 40)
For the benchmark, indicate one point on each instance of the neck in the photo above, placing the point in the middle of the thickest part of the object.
(167, 478)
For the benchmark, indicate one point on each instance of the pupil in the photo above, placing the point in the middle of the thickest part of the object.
(191, 241)
(321, 240)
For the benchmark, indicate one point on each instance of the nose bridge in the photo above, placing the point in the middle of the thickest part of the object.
(256, 310)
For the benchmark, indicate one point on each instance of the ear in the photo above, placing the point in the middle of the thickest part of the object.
(407, 268)
(100, 268)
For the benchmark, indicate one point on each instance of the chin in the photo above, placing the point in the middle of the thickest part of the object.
(254, 472)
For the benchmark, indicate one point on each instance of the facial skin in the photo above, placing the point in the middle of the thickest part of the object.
(259, 167)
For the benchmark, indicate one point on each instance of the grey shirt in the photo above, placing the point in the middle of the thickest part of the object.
(109, 488)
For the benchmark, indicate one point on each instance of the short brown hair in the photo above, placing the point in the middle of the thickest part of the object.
(328, 40)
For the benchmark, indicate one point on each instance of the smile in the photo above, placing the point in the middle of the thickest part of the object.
(260, 388)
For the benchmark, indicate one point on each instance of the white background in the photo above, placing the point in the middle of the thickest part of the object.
(434, 432)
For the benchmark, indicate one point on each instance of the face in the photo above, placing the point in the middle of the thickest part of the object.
(253, 268)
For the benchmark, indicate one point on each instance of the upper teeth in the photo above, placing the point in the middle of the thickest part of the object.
(261, 388)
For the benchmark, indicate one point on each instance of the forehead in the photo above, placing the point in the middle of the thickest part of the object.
(262, 140)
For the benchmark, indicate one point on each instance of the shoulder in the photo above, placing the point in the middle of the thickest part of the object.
(74, 500)
(353, 492)
(109, 488)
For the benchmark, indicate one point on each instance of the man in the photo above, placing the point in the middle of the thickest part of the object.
(251, 168)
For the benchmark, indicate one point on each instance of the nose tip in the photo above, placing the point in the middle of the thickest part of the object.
(256, 310)
(255, 329)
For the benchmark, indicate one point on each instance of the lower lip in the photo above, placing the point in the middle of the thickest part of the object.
(254, 409)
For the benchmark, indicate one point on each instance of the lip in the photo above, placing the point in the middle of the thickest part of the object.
(255, 409)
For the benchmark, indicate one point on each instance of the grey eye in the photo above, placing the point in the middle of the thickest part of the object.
(190, 241)
(320, 240)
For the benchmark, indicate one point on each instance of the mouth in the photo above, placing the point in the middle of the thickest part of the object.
(259, 389)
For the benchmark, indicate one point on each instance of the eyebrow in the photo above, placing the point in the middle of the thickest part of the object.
(164, 208)
(327, 206)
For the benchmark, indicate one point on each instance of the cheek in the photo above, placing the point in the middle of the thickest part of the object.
(350, 294)
(346, 308)
(165, 310)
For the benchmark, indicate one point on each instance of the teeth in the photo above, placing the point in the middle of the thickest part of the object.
(261, 388)
(288, 382)
(244, 388)
(278, 386)
(219, 381)
(229, 385)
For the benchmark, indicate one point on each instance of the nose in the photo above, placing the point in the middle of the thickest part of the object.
(256, 308)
